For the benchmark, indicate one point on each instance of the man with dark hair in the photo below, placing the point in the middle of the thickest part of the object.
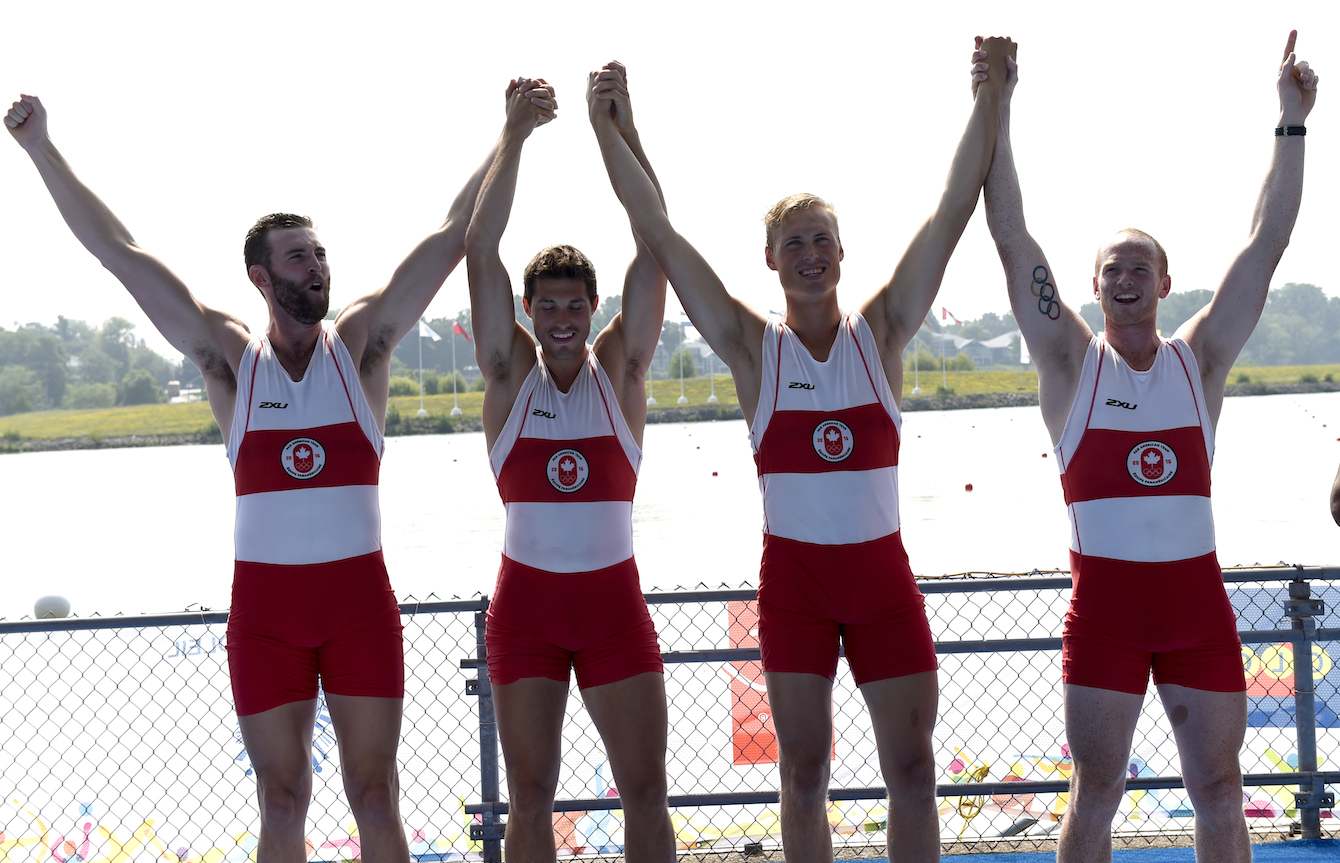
(301, 407)
(559, 262)
(563, 424)
(1133, 416)
(821, 392)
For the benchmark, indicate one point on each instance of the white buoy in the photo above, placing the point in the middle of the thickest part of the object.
(51, 607)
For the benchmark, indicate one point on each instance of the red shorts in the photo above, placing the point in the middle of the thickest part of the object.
(290, 625)
(863, 595)
(541, 624)
(1127, 619)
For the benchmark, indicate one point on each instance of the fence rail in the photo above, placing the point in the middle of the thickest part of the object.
(117, 737)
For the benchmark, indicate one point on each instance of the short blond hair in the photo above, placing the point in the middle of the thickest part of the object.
(1159, 253)
(791, 204)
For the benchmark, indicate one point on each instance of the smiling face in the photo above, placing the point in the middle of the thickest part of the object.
(561, 309)
(295, 277)
(1130, 277)
(805, 251)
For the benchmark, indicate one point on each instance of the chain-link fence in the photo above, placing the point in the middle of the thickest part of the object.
(118, 740)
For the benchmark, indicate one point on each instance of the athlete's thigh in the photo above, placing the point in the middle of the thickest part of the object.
(802, 712)
(903, 711)
(530, 727)
(1099, 726)
(367, 730)
(1209, 728)
(279, 740)
(631, 718)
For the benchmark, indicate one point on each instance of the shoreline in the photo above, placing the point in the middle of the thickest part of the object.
(398, 426)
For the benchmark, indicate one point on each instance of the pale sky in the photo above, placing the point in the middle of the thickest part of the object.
(190, 121)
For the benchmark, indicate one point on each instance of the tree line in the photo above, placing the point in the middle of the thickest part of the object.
(74, 364)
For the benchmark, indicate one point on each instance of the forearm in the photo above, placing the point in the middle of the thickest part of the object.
(1003, 196)
(1281, 195)
(493, 209)
(635, 185)
(972, 159)
(87, 217)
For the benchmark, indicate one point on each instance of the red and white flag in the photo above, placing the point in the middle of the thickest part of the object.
(946, 315)
(460, 330)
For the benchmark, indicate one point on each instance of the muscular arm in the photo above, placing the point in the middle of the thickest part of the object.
(734, 331)
(896, 312)
(1056, 336)
(1219, 331)
(373, 325)
(213, 340)
(504, 350)
(627, 344)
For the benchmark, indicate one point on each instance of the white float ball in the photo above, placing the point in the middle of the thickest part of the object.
(51, 606)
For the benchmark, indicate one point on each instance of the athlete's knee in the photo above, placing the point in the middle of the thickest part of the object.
(1217, 791)
(1096, 788)
(644, 793)
(375, 798)
(804, 777)
(910, 774)
(530, 796)
(283, 799)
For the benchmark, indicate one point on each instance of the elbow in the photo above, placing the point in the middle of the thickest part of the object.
(1335, 505)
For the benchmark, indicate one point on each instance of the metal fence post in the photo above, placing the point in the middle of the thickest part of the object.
(492, 830)
(1303, 610)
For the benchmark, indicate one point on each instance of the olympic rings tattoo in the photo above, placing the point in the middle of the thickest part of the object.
(1045, 291)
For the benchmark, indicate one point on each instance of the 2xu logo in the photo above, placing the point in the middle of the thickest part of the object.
(540, 412)
(1118, 403)
(799, 385)
(280, 405)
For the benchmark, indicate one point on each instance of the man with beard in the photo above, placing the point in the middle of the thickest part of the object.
(301, 407)
(1132, 417)
(563, 423)
(820, 391)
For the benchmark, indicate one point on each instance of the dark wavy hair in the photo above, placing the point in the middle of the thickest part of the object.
(559, 262)
(255, 250)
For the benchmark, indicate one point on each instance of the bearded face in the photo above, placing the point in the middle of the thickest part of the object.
(306, 302)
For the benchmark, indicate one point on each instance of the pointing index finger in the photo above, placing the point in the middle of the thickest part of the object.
(1288, 47)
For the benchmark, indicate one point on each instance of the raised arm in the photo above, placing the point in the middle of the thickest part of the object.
(733, 330)
(897, 310)
(627, 344)
(373, 325)
(504, 350)
(1219, 331)
(1056, 336)
(214, 341)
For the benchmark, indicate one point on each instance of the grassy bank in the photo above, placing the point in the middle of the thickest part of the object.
(193, 421)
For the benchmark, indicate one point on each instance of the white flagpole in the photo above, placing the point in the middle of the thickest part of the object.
(916, 372)
(712, 377)
(455, 397)
(418, 337)
(944, 375)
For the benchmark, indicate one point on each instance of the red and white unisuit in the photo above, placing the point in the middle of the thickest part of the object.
(1135, 459)
(826, 439)
(568, 594)
(311, 597)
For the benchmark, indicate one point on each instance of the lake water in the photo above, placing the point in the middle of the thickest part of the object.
(147, 530)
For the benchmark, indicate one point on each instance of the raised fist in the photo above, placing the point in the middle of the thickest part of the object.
(27, 121)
